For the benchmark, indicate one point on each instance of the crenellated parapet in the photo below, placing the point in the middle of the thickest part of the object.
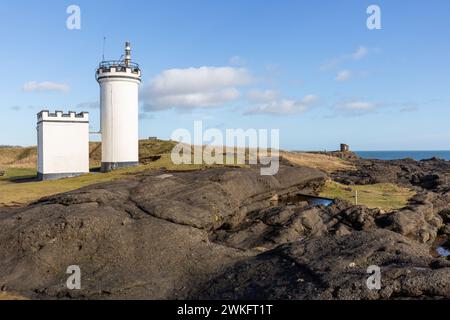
(60, 116)
(117, 69)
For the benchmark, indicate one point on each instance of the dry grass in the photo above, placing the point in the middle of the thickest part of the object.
(18, 157)
(16, 188)
(19, 187)
(95, 154)
(322, 162)
(9, 296)
(385, 196)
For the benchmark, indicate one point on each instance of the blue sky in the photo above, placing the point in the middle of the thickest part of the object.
(309, 68)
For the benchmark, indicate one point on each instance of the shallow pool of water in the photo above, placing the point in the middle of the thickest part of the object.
(312, 200)
(442, 252)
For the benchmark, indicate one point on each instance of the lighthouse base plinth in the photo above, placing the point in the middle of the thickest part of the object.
(110, 166)
(57, 176)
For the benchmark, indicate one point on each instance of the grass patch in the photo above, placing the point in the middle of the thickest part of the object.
(385, 196)
(19, 186)
(18, 157)
(15, 190)
(327, 163)
(12, 174)
(8, 296)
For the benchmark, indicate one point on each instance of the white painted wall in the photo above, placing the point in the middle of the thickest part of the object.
(119, 103)
(63, 143)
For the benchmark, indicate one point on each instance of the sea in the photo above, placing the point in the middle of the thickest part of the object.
(394, 155)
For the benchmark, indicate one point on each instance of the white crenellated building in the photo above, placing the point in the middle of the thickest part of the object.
(63, 144)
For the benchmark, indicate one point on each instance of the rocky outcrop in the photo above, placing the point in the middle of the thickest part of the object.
(347, 155)
(144, 237)
(222, 233)
(335, 268)
(445, 229)
(423, 219)
(432, 174)
(418, 222)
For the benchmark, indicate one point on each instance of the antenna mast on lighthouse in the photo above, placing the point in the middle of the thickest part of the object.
(127, 53)
(104, 45)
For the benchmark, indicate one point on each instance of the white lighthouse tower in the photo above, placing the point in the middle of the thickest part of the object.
(119, 107)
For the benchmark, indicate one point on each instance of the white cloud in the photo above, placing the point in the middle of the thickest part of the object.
(343, 75)
(355, 107)
(194, 99)
(358, 54)
(256, 95)
(45, 86)
(285, 106)
(194, 88)
(359, 105)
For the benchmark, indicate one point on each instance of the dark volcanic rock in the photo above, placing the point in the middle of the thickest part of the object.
(418, 222)
(445, 230)
(208, 198)
(144, 237)
(201, 234)
(429, 174)
(268, 228)
(421, 220)
(335, 268)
